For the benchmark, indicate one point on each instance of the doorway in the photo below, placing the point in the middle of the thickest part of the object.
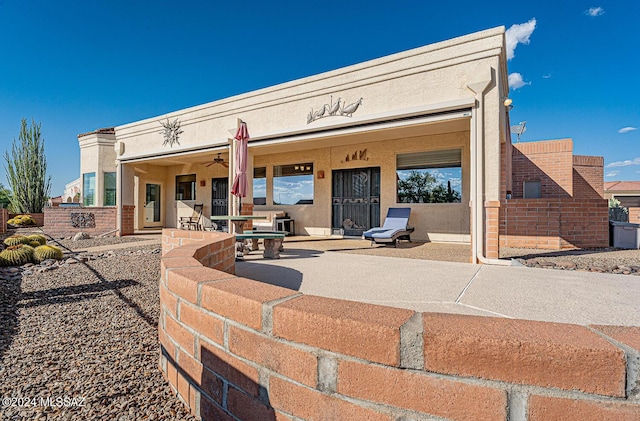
(220, 200)
(356, 200)
(152, 205)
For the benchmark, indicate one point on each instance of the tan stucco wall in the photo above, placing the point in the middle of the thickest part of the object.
(97, 155)
(434, 77)
(436, 222)
(428, 75)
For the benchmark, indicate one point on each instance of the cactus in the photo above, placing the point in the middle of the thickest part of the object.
(47, 252)
(34, 243)
(41, 239)
(3, 262)
(16, 239)
(22, 220)
(17, 255)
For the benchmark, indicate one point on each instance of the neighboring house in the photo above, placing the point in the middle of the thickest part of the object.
(54, 201)
(628, 194)
(426, 128)
(72, 192)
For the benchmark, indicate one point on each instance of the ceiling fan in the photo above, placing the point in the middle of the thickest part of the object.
(218, 160)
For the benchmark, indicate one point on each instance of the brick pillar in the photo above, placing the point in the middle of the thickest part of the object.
(126, 217)
(634, 215)
(491, 229)
(4, 217)
(247, 209)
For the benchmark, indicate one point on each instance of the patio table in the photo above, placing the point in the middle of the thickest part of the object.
(238, 223)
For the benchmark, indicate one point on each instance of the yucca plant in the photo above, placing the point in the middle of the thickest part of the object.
(26, 168)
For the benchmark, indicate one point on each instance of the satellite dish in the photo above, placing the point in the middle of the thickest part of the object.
(518, 129)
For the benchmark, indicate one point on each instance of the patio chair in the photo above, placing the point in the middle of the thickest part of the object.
(395, 228)
(193, 221)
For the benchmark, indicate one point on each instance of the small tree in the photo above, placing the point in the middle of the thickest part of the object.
(416, 188)
(26, 169)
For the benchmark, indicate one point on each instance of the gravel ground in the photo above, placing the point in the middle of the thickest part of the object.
(86, 331)
(448, 252)
(610, 260)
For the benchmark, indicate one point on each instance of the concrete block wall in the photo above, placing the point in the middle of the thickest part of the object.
(551, 162)
(554, 224)
(237, 349)
(588, 177)
(57, 221)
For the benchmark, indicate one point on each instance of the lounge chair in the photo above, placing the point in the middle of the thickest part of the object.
(395, 228)
(193, 221)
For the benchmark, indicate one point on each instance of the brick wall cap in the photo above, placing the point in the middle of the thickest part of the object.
(391, 317)
(516, 330)
(250, 289)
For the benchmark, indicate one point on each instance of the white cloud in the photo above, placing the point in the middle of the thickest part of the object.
(627, 129)
(547, 76)
(518, 34)
(612, 174)
(625, 163)
(594, 11)
(516, 81)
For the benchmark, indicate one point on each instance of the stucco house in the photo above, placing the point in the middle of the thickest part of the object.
(334, 150)
(628, 193)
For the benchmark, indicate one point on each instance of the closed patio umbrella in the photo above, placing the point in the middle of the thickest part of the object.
(239, 187)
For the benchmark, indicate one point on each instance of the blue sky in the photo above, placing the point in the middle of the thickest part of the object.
(76, 66)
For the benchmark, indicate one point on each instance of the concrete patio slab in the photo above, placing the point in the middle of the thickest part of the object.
(564, 296)
(449, 287)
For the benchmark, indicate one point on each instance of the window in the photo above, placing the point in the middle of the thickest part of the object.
(186, 187)
(109, 189)
(293, 184)
(89, 189)
(429, 177)
(531, 189)
(260, 186)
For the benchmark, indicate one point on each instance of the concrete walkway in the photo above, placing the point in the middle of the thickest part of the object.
(423, 285)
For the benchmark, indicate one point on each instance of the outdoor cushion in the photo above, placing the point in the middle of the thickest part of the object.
(395, 225)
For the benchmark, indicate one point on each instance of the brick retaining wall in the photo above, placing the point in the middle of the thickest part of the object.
(234, 346)
(37, 217)
(4, 217)
(57, 221)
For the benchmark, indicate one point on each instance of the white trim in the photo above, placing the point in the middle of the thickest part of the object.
(219, 146)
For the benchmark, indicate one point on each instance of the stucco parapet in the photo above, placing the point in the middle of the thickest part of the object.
(463, 47)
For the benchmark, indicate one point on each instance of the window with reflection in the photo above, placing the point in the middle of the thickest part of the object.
(186, 187)
(293, 184)
(260, 186)
(429, 177)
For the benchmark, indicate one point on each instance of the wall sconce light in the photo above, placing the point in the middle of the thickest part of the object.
(320, 174)
(508, 103)
(203, 183)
